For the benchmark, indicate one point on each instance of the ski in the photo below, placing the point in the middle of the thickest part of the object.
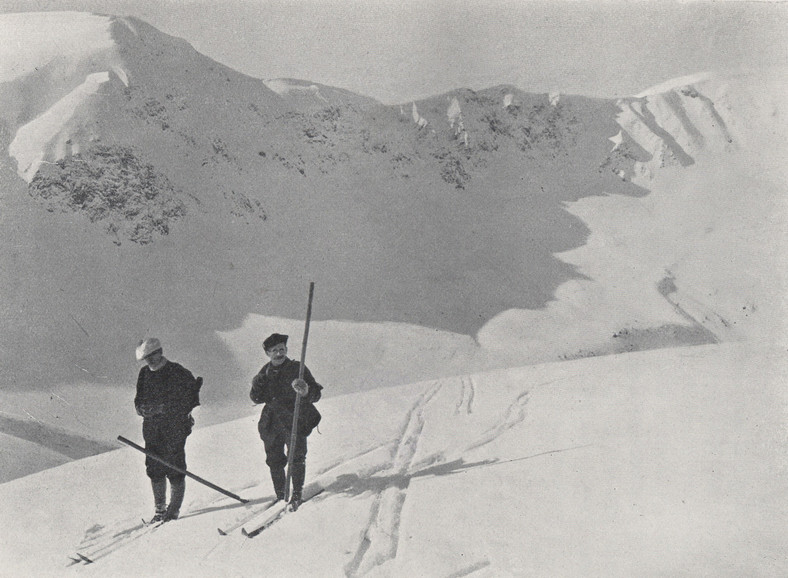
(246, 518)
(275, 514)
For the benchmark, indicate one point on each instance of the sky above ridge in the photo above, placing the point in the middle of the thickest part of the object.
(405, 50)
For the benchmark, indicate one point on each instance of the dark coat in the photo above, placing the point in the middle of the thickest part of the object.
(172, 392)
(165, 399)
(273, 387)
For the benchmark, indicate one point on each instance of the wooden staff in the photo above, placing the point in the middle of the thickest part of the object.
(179, 470)
(294, 432)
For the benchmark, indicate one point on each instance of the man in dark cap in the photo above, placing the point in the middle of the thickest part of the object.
(167, 392)
(276, 385)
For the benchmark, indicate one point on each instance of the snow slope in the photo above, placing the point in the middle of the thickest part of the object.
(37, 457)
(703, 253)
(668, 462)
(698, 259)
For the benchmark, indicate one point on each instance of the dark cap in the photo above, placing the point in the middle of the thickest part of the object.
(274, 339)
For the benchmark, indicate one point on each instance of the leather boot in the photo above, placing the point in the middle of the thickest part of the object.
(177, 491)
(298, 475)
(159, 498)
(295, 501)
(279, 479)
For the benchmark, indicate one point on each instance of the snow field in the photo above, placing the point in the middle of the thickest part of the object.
(652, 463)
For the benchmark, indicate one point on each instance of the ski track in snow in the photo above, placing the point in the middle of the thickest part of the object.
(361, 454)
(515, 414)
(381, 536)
(470, 569)
(380, 539)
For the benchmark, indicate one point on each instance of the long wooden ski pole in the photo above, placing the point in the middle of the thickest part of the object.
(294, 431)
(179, 470)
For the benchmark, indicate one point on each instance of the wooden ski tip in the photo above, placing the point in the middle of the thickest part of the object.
(85, 559)
(221, 532)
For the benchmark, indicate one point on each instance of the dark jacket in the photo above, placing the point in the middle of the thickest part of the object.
(273, 387)
(171, 392)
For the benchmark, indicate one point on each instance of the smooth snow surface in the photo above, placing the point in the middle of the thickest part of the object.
(284, 86)
(34, 41)
(661, 463)
(675, 83)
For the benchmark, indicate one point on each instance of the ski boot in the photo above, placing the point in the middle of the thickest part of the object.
(160, 499)
(295, 501)
(177, 491)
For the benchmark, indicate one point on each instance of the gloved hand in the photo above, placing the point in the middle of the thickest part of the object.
(300, 386)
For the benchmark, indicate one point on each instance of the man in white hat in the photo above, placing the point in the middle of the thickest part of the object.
(166, 394)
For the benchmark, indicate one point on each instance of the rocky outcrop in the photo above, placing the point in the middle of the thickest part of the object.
(111, 186)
